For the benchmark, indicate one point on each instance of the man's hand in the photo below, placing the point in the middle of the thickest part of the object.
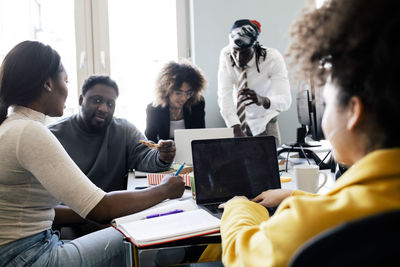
(272, 198)
(174, 186)
(253, 98)
(237, 132)
(167, 150)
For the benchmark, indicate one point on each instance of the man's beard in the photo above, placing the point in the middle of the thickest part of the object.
(96, 127)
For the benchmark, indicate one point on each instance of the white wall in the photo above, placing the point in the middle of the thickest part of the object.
(210, 23)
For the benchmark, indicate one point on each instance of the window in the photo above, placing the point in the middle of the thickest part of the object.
(142, 40)
(41, 20)
(129, 40)
(319, 3)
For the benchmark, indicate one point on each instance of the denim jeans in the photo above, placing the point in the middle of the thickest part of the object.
(101, 248)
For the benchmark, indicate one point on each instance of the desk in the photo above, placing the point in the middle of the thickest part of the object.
(133, 182)
(146, 256)
(321, 152)
(315, 154)
(293, 184)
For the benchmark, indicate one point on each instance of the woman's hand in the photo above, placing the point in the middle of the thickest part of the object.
(272, 198)
(166, 150)
(222, 205)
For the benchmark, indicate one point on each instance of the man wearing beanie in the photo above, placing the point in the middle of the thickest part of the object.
(255, 75)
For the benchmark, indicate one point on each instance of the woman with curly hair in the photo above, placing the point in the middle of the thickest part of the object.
(352, 50)
(179, 103)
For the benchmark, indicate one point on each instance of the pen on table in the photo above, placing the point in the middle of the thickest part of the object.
(141, 187)
(180, 169)
(163, 214)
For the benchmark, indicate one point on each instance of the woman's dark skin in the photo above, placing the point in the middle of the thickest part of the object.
(114, 204)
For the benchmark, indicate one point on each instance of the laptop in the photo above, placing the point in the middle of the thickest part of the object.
(228, 167)
(184, 137)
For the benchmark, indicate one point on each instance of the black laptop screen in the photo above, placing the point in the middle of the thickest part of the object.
(229, 167)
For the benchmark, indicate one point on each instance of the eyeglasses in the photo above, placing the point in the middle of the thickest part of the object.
(180, 93)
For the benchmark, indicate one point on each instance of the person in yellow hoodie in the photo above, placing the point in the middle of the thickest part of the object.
(351, 48)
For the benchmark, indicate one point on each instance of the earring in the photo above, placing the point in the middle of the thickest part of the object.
(48, 89)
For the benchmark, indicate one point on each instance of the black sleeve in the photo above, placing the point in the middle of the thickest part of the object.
(198, 115)
(151, 131)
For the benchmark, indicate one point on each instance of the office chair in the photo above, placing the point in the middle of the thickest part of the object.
(371, 241)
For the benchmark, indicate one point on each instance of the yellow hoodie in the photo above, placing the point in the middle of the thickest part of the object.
(251, 238)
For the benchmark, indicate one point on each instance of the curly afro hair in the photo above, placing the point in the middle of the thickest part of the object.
(355, 43)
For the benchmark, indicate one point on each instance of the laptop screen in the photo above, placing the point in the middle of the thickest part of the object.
(184, 137)
(228, 167)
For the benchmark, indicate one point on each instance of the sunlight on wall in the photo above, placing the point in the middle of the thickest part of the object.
(142, 40)
(40, 20)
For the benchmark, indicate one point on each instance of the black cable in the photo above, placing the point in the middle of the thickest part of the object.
(327, 154)
(287, 159)
(302, 150)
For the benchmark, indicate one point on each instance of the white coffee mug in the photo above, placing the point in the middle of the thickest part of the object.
(307, 178)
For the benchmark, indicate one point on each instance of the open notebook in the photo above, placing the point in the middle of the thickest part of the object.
(147, 228)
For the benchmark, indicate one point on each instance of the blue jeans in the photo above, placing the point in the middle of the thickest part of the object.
(101, 248)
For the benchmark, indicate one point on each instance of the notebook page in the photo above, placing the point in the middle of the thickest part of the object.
(162, 207)
(176, 225)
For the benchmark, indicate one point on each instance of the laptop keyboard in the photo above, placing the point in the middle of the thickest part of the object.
(213, 207)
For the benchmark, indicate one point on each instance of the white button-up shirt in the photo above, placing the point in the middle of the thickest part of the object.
(271, 82)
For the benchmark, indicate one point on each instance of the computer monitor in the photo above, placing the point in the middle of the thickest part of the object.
(310, 109)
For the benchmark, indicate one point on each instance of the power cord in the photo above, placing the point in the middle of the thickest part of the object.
(305, 156)
(327, 154)
(302, 150)
(287, 158)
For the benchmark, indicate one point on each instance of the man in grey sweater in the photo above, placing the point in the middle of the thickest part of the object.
(105, 147)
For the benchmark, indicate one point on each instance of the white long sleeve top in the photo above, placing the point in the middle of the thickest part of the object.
(272, 82)
(36, 174)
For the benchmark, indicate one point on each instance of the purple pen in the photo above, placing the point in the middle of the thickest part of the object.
(163, 214)
(171, 212)
(152, 216)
